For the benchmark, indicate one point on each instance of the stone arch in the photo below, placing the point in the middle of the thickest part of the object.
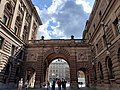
(56, 53)
(86, 73)
(60, 52)
(53, 54)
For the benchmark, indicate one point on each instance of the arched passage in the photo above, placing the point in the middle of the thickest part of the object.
(61, 53)
(83, 77)
(58, 70)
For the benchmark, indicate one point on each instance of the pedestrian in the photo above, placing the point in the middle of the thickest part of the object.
(48, 85)
(20, 84)
(64, 84)
(26, 85)
(59, 84)
(53, 84)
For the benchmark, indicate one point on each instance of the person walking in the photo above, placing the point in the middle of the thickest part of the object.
(20, 84)
(26, 85)
(64, 84)
(59, 84)
(48, 85)
(53, 84)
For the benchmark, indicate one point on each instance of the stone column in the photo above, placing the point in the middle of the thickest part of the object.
(23, 24)
(31, 25)
(2, 7)
(15, 14)
(73, 73)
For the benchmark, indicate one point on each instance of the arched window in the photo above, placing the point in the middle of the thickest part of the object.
(100, 70)
(8, 13)
(9, 7)
(109, 67)
(117, 26)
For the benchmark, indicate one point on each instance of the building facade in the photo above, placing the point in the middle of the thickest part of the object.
(18, 24)
(102, 32)
(59, 69)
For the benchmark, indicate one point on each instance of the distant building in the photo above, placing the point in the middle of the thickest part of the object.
(59, 69)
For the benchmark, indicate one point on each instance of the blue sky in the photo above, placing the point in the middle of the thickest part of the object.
(63, 18)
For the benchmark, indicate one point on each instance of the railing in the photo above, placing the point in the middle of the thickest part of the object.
(57, 41)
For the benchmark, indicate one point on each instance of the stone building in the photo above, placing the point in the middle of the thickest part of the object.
(59, 69)
(102, 31)
(18, 23)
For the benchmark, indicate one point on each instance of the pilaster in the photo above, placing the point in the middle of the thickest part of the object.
(15, 14)
(23, 24)
(31, 25)
(2, 7)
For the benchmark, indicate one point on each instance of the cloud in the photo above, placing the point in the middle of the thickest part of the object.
(64, 18)
(86, 5)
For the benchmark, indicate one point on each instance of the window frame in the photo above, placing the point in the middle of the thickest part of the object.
(6, 23)
(13, 50)
(1, 44)
(109, 68)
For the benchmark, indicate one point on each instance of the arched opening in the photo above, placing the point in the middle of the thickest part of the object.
(83, 78)
(30, 76)
(58, 69)
(100, 70)
(109, 67)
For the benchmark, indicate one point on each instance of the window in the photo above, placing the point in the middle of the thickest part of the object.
(109, 67)
(12, 50)
(15, 29)
(104, 41)
(1, 42)
(97, 48)
(5, 19)
(117, 26)
(100, 70)
(100, 14)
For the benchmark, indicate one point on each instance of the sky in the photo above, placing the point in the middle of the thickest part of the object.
(62, 18)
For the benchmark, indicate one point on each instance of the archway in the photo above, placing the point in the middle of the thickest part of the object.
(83, 77)
(59, 69)
(30, 76)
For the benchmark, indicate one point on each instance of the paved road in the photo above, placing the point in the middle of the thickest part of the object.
(68, 88)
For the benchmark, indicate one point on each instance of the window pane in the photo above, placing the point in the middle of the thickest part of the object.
(118, 26)
(12, 49)
(4, 19)
(1, 42)
(15, 30)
